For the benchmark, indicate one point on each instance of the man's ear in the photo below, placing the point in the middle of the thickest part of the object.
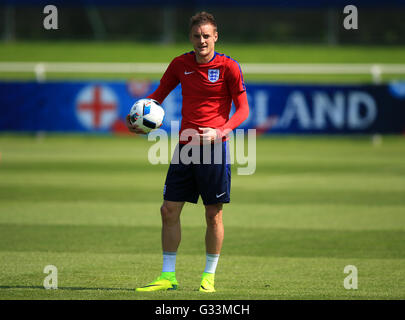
(216, 36)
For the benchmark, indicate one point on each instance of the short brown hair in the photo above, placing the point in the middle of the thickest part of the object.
(202, 18)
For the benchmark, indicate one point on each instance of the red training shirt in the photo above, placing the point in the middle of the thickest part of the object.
(208, 90)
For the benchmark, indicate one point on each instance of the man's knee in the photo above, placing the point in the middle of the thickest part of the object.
(213, 214)
(170, 213)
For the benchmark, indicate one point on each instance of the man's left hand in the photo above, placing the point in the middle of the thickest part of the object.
(208, 135)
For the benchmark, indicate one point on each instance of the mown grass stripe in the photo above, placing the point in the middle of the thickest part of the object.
(239, 241)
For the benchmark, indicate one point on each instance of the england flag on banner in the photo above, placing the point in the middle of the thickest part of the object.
(96, 107)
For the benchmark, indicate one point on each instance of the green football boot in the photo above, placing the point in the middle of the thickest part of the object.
(207, 282)
(166, 281)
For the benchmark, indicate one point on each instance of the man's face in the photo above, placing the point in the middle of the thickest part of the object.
(203, 38)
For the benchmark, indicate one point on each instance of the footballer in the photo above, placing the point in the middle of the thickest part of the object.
(210, 81)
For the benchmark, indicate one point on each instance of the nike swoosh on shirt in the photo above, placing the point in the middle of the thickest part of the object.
(218, 195)
(185, 72)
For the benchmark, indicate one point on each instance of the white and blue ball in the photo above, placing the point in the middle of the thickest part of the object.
(147, 114)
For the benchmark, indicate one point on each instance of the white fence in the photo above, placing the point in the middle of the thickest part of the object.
(40, 69)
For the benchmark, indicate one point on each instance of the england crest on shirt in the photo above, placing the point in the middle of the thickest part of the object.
(213, 75)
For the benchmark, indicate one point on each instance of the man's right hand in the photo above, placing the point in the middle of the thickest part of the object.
(133, 127)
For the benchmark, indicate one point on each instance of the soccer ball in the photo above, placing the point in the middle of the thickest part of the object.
(147, 114)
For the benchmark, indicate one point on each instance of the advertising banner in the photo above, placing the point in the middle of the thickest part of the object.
(101, 107)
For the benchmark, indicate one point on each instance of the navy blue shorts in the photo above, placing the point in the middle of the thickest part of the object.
(205, 171)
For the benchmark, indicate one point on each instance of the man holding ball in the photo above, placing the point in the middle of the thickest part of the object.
(210, 81)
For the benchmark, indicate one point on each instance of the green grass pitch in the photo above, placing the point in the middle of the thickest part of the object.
(90, 206)
(73, 51)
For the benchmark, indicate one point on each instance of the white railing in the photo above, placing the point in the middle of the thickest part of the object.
(40, 69)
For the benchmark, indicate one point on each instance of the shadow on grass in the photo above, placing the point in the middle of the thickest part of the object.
(67, 288)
